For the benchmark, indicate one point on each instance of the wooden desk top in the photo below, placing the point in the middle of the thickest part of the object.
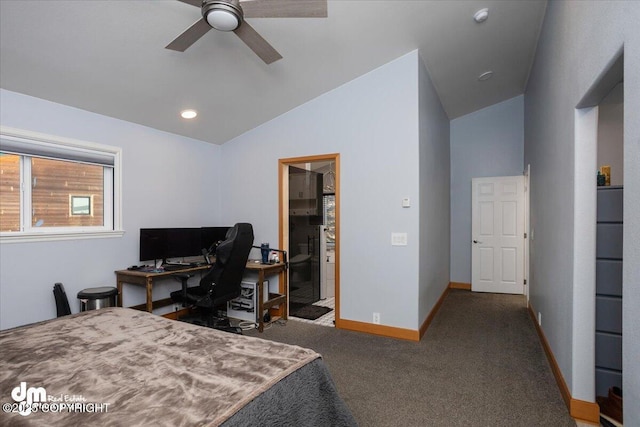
(141, 273)
(255, 265)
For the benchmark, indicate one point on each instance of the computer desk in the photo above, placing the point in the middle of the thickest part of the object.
(146, 279)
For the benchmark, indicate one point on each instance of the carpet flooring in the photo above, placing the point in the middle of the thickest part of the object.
(479, 364)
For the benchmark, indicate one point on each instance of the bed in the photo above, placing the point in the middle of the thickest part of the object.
(119, 366)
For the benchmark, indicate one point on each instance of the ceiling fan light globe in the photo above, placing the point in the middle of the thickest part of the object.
(223, 20)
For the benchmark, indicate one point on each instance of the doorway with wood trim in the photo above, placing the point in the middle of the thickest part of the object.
(309, 229)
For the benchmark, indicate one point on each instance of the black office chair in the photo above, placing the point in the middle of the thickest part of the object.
(62, 303)
(222, 281)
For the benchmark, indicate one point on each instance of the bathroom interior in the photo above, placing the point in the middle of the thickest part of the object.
(312, 242)
(609, 236)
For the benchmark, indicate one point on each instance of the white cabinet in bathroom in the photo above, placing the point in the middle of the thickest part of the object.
(329, 270)
(302, 186)
(305, 192)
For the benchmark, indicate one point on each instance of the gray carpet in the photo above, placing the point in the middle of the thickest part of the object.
(479, 364)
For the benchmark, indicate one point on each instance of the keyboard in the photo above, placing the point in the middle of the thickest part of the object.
(149, 269)
(175, 267)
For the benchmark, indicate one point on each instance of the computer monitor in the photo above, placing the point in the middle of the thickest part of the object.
(183, 242)
(165, 243)
(153, 243)
(211, 236)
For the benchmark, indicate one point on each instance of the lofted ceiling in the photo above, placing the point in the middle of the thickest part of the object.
(108, 57)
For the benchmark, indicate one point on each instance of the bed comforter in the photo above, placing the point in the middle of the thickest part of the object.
(122, 367)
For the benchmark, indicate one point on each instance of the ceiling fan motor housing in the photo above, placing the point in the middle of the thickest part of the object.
(223, 15)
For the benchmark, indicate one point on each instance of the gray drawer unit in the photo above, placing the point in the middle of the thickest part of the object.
(609, 289)
(609, 241)
(609, 277)
(610, 204)
(609, 350)
(605, 379)
(608, 314)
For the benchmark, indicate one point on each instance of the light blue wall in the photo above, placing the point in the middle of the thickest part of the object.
(578, 41)
(168, 181)
(488, 142)
(372, 122)
(434, 196)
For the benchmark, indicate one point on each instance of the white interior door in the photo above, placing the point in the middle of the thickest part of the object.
(497, 230)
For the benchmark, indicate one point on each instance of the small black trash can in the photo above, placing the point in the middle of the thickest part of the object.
(95, 298)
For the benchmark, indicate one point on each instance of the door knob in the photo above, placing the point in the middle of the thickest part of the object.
(476, 241)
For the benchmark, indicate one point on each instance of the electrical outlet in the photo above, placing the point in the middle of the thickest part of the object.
(376, 318)
(398, 239)
(539, 318)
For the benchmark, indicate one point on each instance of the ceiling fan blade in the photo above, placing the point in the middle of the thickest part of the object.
(190, 36)
(256, 43)
(284, 8)
(196, 3)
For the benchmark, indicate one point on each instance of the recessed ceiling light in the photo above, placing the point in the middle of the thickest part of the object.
(485, 76)
(481, 15)
(188, 114)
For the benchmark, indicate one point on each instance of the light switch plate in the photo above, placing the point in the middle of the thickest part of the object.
(398, 239)
(406, 202)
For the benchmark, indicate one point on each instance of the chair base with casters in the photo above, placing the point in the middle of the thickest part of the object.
(207, 317)
(213, 322)
(210, 319)
(222, 281)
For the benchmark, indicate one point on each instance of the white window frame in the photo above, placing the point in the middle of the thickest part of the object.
(74, 148)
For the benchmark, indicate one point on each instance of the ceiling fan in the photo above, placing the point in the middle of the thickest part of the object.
(229, 15)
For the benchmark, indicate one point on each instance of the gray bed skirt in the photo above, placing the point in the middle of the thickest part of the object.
(305, 398)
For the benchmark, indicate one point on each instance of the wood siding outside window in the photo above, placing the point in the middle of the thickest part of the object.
(9, 192)
(54, 184)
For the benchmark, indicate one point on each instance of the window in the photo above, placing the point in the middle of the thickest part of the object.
(80, 205)
(57, 188)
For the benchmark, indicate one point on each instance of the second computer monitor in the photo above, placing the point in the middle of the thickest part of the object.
(211, 236)
(165, 243)
(183, 242)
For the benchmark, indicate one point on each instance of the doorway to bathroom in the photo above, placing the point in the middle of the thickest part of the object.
(309, 229)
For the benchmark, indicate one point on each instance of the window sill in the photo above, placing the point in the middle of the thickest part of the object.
(53, 236)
